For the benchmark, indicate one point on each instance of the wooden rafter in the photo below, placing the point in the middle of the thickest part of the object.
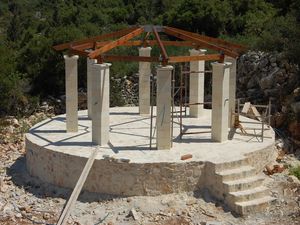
(98, 46)
(149, 43)
(112, 58)
(78, 52)
(144, 42)
(94, 39)
(215, 41)
(116, 43)
(161, 47)
(186, 37)
(211, 57)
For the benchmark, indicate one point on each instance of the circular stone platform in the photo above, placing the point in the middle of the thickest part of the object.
(58, 157)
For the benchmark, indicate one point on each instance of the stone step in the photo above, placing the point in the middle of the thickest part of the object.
(236, 173)
(247, 195)
(253, 206)
(243, 184)
(230, 165)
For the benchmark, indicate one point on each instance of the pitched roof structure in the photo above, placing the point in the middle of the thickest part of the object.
(98, 47)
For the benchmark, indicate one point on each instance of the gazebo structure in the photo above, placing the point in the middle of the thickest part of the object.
(114, 142)
(96, 50)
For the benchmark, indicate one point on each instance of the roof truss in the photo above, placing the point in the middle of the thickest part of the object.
(97, 47)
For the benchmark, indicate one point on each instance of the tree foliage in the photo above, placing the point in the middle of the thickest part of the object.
(28, 29)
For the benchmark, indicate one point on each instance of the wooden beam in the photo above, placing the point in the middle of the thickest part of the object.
(186, 37)
(216, 41)
(161, 47)
(116, 43)
(112, 58)
(150, 43)
(96, 38)
(78, 52)
(144, 43)
(211, 57)
(84, 46)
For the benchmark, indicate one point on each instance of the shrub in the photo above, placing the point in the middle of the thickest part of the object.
(295, 171)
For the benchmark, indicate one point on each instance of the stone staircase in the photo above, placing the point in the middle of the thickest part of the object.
(242, 189)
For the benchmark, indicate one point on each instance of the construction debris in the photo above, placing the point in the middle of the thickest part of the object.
(132, 213)
(187, 156)
(271, 169)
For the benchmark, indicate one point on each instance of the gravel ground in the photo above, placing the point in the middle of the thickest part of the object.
(26, 200)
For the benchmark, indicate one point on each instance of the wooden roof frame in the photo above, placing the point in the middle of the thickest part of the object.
(98, 46)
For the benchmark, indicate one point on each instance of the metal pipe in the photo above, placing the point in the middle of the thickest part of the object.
(269, 111)
(180, 102)
(185, 94)
(199, 103)
(188, 72)
(173, 99)
(151, 109)
(262, 131)
(238, 107)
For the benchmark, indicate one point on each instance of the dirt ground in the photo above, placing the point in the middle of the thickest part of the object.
(26, 200)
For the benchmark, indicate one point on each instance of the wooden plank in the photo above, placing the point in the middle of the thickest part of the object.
(216, 41)
(210, 57)
(112, 58)
(255, 113)
(186, 37)
(246, 107)
(72, 200)
(116, 34)
(116, 43)
(161, 47)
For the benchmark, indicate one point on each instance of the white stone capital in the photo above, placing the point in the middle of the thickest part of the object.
(145, 48)
(72, 57)
(145, 51)
(197, 51)
(218, 64)
(161, 68)
(102, 65)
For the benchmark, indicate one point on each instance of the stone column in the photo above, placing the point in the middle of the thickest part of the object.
(197, 84)
(144, 82)
(232, 89)
(163, 108)
(220, 104)
(89, 63)
(71, 73)
(100, 103)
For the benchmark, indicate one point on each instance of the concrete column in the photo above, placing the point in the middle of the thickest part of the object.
(100, 103)
(232, 89)
(144, 82)
(197, 84)
(220, 104)
(71, 73)
(89, 63)
(163, 108)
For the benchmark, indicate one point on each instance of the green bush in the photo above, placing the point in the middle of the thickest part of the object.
(295, 171)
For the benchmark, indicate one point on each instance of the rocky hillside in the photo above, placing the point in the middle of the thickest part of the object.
(262, 76)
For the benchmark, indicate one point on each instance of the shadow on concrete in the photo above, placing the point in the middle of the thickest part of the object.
(21, 178)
